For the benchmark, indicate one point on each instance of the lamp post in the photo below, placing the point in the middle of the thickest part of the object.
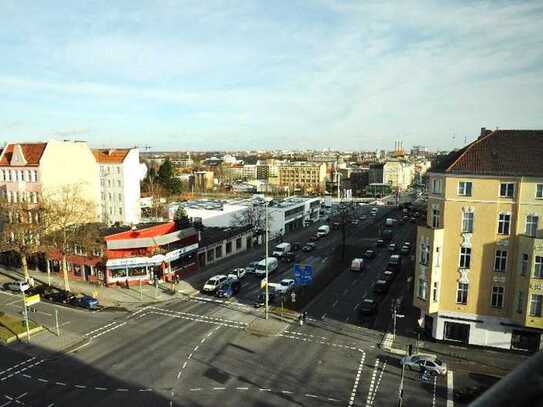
(266, 310)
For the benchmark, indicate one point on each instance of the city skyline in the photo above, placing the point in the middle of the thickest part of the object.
(298, 75)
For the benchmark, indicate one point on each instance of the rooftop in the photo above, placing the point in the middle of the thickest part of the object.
(111, 155)
(210, 235)
(31, 153)
(498, 153)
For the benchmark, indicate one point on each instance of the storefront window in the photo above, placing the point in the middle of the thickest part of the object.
(137, 272)
(117, 273)
(77, 270)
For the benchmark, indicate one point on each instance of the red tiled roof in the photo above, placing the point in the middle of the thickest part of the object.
(110, 156)
(152, 231)
(31, 151)
(499, 153)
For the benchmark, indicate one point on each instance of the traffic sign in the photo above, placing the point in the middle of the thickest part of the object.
(263, 283)
(32, 299)
(293, 297)
(303, 274)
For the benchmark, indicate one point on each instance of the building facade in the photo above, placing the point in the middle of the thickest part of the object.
(28, 170)
(479, 259)
(303, 176)
(119, 174)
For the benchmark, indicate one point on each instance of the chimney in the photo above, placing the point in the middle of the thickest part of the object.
(484, 132)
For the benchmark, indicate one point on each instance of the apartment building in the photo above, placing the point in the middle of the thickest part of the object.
(479, 259)
(303, 176)
(399, 174)
(118, 172)
(28, 170)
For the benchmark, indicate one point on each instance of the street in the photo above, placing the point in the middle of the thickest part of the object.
(202, 351)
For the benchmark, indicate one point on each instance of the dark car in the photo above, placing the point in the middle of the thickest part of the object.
(314, 238)
(470, 393)
(229, 288)
(261, 299)
(288, 257)
(405, 250)
(42, 289)
(308, 247)
(369, 254)
(62, 297)
(335, 225)
(379, 243)
(387, 275)
(380, 287)
(295, 246)
(368, 306)
(395, 262)
(392, 247)
(387, 235)
(412, 219)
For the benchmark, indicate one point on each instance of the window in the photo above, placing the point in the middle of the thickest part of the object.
(424, 254)
(465, 257)
(500, 261)
(422, 289)
(109, 195)
(531, 225)
(434, 291)
(120, 196)
(210, 255)
(118, 170)
(109, 183)
(538, 270)
(524, 264)
(435, 218)
(119, 183)
(520, 302)
(539, 191)
(464, 188)
(120, 211)
(35, 176)
(535, 305)
(228, 247)
(436, 186)
(238, 243)
(504, 223)
(507, 190)
(437, 258)
(497, 297)
(218, 252)
(3, 175)
(462, 293)
(467, 222)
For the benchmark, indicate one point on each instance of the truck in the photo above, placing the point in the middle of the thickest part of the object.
(272, 262)
(281, 249)
(323, 230)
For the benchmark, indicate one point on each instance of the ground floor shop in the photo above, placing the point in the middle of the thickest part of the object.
(480, 330)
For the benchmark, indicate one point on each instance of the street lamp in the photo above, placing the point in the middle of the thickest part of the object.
(266, 310)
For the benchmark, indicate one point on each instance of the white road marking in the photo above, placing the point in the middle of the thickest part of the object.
(197, 389)
(323, 316)
(378, 382)
(60, 383)
(334, 304)
(356, 306)
(121, 389)
(80, 386)
(286, 392)
(311, 395)
(450, 389)
(346, 291)
(43, 380)
(100, 388)
(434, 392)
(261, 389)
(219, 388)
(372, 383)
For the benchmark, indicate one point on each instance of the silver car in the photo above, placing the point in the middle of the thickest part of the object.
(424, 362)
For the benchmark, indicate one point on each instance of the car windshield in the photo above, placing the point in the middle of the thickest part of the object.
(285, 283)
(438, 362)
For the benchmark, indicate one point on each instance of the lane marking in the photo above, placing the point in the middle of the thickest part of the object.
(450, 389)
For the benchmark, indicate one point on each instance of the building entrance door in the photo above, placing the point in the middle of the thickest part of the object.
(455, 331)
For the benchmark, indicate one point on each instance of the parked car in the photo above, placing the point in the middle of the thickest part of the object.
(354, 221)
(413, 219)
(363, 217)
(238, 273)
(357, 265)
(213, 283)
(309, 247)
(62, 297)
(228, 288)
(470, 393)
(427, 362)
(296, 246)
(368, 306)
(272, 263)
(387, 235)
(380, 287)
(42, 289)
(87, 301)
(283, 287)
(17, 286)
(288, 257)
(379, 243)
(392, 247)
(369, 254)
(405, 250)
(314, 238)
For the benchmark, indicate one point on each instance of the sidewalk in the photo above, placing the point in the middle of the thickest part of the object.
(108, 297)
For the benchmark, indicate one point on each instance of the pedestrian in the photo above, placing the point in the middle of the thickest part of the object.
(301, 319)
(304, 315)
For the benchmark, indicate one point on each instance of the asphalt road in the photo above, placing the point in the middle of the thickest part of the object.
(197, 352)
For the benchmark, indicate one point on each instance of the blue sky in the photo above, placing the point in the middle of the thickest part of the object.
(269, 74)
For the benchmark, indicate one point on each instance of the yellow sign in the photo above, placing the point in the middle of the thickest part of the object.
(32, 299)
(263, 283)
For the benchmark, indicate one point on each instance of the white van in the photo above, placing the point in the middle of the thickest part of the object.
(273, 263)
(281, 249)
(323, 230)
(357, 265)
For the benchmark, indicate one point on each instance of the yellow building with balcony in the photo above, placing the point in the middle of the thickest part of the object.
(479, 258)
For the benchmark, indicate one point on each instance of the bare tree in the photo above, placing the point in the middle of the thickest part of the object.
(21, 229)
(71, 224)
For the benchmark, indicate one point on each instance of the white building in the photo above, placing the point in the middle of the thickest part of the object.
(119, 174)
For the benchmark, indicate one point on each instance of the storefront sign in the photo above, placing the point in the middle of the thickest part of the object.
(175, 254)
(127, 262)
